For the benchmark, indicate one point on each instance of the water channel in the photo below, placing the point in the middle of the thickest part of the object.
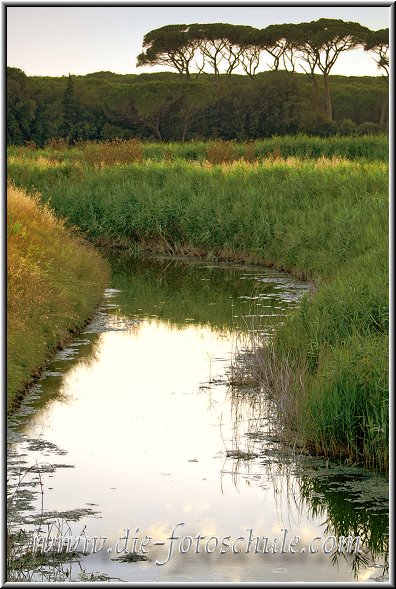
(134, 434)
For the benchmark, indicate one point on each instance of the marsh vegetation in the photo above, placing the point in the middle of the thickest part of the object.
(316, 208)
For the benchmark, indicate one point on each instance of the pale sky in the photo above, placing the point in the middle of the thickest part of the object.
(58, 40)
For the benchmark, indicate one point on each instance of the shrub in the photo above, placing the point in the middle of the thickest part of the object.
(221, 152)
(370, 128)
(116, 151)
(346, 127)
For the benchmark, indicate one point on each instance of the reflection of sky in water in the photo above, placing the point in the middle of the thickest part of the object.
(147, 423)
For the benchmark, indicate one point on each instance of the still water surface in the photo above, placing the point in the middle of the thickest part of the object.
(134, 429)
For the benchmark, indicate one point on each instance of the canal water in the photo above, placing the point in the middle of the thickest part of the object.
(137, 453)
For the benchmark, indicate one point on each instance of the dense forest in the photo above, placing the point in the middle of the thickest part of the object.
(206, 97)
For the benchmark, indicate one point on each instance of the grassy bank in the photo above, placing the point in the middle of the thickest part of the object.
(54, 283)
(322, 218)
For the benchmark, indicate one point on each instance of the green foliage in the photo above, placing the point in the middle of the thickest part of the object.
(20, 108)
(70, 112)
(370, 129)
(48, 122)
(347, 409)
(321, 43)
(346, 128)
(171, 45)
(110, 106)
(223, 47)
(378, 43)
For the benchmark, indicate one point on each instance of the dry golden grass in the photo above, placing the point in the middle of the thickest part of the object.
(271, 161)
(221, 152)
(39, 161)
(54, 282)
(110, 153)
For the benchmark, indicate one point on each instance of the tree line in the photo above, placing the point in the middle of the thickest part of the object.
(206, 98)
(222, 48)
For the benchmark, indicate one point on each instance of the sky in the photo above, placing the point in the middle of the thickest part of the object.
(58, 40)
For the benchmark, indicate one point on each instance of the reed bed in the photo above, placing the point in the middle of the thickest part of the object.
(321, 217)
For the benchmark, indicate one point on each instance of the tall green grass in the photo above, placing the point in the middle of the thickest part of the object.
(324, 219)
(306, 216)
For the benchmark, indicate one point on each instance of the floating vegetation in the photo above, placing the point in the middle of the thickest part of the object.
(241, 455)
(131, 557)
(41, 445)
(47, 373)
(70, 515)
(105, 322)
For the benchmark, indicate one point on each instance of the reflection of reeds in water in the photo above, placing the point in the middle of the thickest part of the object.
(354, 503)
(339, 496)
(253, 413)
(258, 392)
(255, 365)
(256, 435)
(349, 516)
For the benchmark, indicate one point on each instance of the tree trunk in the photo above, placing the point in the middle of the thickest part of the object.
(384, 111)
(158, 133)
(329, 107)
(185, 124)
(154, 126)
(315, 81)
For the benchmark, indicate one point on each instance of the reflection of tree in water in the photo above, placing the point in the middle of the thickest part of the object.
(352, 501)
